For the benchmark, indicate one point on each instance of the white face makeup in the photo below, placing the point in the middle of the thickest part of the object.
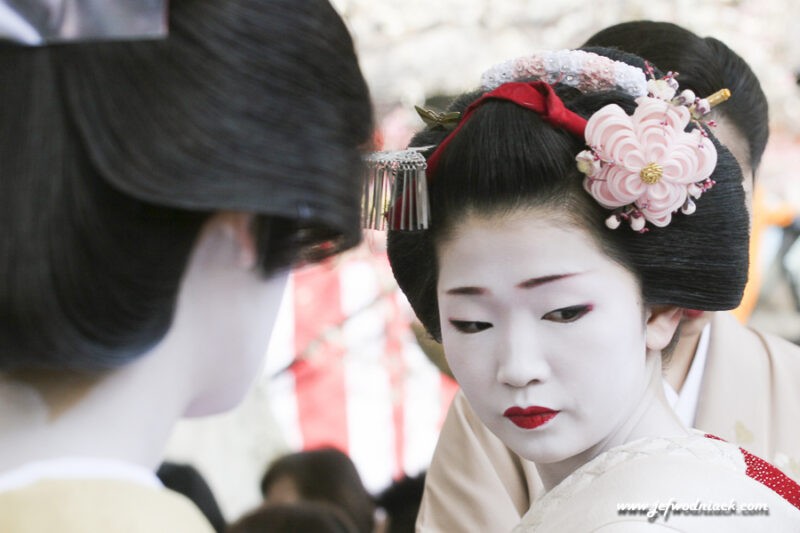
(225, 314)
(536, 319)
(235, 340)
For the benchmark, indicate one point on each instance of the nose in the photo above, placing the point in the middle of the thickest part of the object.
(521, 357)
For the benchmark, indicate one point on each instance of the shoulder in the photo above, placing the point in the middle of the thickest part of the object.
(738, 338)
(91, 505)
(778, 348)
(750, 394)
(660, 481)
(741, 358)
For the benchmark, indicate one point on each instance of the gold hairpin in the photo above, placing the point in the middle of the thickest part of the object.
(718, 97)
(702, 106)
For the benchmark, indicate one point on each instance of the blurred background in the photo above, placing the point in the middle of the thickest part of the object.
(344, 368)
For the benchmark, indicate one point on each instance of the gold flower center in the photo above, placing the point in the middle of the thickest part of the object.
(651, 174)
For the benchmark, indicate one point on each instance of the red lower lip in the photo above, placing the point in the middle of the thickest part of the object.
(692, 313)
(530, 417)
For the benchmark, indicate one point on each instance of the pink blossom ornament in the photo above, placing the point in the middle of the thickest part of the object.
(648, 161)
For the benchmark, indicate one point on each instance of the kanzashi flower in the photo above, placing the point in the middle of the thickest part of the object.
(588, 162)
(663, 89)
(648, 163)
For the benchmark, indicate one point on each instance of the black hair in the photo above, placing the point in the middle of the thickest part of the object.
(507, 158)
(325, 475)
(114, 155)
(401, 501)
(187, 480)
(704, 65)
(297, 517)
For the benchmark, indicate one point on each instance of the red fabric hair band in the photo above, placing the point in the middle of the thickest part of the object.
(537, 96)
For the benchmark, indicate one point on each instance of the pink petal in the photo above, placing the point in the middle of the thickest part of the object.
(661, 200)
(681, 167)
(634, 161)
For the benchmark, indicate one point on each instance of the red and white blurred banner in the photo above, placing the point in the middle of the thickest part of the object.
(345, 369)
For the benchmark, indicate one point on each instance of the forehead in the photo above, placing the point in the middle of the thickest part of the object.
(517, 246)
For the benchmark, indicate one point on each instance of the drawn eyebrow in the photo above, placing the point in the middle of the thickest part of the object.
(527, 284)
(470, 291)
(536, 282)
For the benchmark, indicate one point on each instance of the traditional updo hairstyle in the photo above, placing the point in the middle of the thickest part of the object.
(507, 158)
(704, 64)
(114, 154)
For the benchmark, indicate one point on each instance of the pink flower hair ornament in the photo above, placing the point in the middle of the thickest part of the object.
(644, 167)
(647, 166)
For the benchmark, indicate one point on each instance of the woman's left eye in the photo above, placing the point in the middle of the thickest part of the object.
(470, 326)
(567, 314)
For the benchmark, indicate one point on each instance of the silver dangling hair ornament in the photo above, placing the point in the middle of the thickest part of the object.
(396, 191)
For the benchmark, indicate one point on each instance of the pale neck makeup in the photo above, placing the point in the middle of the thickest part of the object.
(545, 334)
(680, 361)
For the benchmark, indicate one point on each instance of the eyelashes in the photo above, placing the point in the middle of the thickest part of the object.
(562, 316)
(468, 326)
(568, 314)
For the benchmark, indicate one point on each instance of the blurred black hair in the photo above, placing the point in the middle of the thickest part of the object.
(187, 480)
(114, 155)
(311, 517)
(401, 501)
(325, 475)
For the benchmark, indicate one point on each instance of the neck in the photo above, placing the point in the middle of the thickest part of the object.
(652, 417)
(126, 415)
(681, 360)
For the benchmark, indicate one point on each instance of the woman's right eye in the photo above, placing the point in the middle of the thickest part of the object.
(468, 326)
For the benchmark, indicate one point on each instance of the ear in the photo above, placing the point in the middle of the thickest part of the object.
(239, 227)
(662, 321)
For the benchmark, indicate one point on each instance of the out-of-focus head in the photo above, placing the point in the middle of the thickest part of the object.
(325, 475)
(291, 518)
(115, 155)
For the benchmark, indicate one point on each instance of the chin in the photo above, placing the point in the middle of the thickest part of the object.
(536, 446)
(541, 454)
(215, 404)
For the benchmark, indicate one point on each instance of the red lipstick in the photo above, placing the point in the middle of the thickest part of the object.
(530, 417)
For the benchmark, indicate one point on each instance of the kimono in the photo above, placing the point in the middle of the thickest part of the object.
(692, 483)
(749, 396)
(77, 501)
